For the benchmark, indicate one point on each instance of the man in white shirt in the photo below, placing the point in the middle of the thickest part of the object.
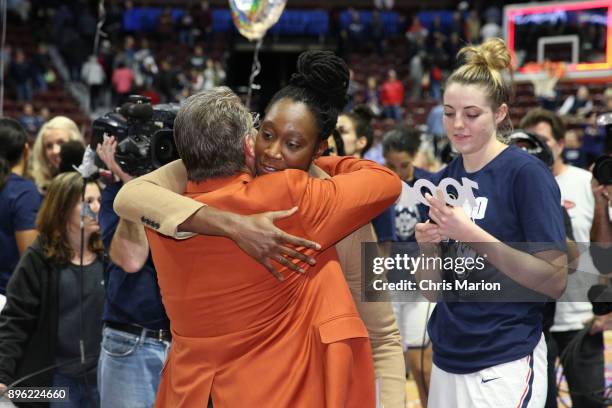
(585, 374)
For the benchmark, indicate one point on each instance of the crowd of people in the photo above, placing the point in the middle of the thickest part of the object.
(102, 287)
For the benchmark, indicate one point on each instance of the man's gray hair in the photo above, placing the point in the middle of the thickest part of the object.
(209, 132)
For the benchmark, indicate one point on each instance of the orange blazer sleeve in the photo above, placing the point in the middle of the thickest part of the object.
(155, 200)
(331, 209)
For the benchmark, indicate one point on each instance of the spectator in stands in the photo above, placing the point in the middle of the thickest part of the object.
(573, 154)
(75, 51)
(457, 25)
(19, 200)
(63, 17)
(167, 82)
(20, 73)
(127, 56)
(579, 105)
(437, 32)
(185, 28)
(106, 57)
(587, 378)
(472, 27)
(122, 80)
(354, 88)
(220, 74)
(41, 64)
(377, 33)
(355, 32)
(490, 30)
(44, 114)
(453, 46)
(198, 60)
(545, 85)
(30, 121)
(148, 72)
(202, 18)
(145, 67)
(392, 96)
(209, 75)
(435, 127)
(94, 77)
(165, 27)
(47, 320)
(46, 151)
(371, 96)
(416, 31)
(440, 63)
(196, 81)
(417, 74)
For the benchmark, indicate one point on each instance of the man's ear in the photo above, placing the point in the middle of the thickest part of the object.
(249, 150)
(323, 146)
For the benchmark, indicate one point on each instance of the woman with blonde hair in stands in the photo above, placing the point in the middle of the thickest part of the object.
(46, 152)
(489, 350)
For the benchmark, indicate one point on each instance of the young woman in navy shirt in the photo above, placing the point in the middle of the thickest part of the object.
(491, 353)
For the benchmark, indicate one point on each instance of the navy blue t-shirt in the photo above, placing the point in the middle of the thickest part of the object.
(397, 223)
(384, 225)
(517, 200)
(19, 204)
(407, 217)
(404, 224)
(131, 298)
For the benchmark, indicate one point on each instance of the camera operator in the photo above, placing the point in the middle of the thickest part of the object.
(601, 232)
(136, 334)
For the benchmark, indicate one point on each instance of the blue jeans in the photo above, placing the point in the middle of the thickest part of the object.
(80, 395)
(24, 92)
(393, 112)
(129, 369)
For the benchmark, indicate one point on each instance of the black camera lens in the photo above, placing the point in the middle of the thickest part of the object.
(163, 149)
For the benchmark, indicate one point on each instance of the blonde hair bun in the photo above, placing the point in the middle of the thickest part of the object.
(493, 54)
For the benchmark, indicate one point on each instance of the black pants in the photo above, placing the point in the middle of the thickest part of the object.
(585, 374)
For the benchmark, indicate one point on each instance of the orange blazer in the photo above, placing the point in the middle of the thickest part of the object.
(249, 339)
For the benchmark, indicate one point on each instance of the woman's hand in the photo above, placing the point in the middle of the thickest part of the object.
(427, 233)
(452, 222)
(263, 241)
